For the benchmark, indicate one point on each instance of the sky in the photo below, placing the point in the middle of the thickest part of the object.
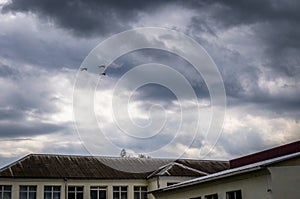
(254, 44)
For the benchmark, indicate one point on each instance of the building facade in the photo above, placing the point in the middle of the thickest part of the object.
(270, 174)
(82, 177)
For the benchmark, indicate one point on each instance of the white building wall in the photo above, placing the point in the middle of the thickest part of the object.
(162, 181)
(285, 182)
(40, 183)
(251, 187)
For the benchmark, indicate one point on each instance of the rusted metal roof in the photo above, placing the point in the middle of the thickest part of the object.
(91, 167)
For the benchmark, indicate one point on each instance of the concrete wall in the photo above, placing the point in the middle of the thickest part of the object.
(252, 185)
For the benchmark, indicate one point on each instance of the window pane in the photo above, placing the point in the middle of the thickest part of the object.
(116, 188)
(123, 188)
(56, 188)
(80, 189)
(144, 188)
(47, 195)
(102, 194)
(56, 195)
(124, 195)
(7, 195)
(136, 188)
(144, 195)
(32, 195)
(93, 194)
(7, 188)
(71, 195)
(47, 188)
(32, 188)
(116, 195)
(136, 195)
(23, 188)
(23, 195)
(71, 188)
(79, 195)
(239, 194)
(0, 194)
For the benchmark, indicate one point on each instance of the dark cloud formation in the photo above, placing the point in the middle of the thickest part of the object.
(87, 17)
(256, 45)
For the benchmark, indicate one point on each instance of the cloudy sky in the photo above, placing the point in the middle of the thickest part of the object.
(255, 45)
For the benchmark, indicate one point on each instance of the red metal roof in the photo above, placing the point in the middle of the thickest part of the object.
(266, 154)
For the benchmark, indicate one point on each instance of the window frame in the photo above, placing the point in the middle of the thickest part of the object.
(52, 191)
(3, 191)
(28, 191)
(75, 191)
(237, 194)
(120, 191)
(98, 189)
(140, 191)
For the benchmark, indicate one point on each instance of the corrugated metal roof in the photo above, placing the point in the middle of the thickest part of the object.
(91, 167)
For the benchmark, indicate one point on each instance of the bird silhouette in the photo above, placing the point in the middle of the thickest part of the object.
(103, 74)
(82, 69)
(101, 66)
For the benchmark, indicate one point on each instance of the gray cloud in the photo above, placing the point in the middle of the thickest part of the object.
(13, 130)
(87, 17)
(255, 44)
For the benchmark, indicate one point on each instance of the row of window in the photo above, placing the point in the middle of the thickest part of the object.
(229, 195)
(74, 192)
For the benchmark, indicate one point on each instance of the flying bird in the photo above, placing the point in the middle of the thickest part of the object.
(82, 69)
(103, 74)
(101, 66)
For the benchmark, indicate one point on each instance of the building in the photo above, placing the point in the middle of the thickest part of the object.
(273, 173)
(45, 176)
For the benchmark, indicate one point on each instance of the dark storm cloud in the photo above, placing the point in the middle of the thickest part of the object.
(86, 17)
(277, 27)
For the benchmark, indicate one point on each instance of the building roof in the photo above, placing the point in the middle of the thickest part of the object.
(93, 167)
(266, 154)
(230, 172)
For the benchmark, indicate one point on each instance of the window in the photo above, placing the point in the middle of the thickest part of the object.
(75, 192)
(212, 196)
(5, 191)
(98, 193)
(120, 192)
(234, 194)
(52, 192)
(140, 192)
(199, 197)
(27, 192)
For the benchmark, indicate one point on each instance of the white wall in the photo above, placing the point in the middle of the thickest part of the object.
(253, 186)
(40, 183)
(285, 182)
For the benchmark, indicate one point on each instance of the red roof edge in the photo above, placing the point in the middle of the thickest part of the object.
(286, 149)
